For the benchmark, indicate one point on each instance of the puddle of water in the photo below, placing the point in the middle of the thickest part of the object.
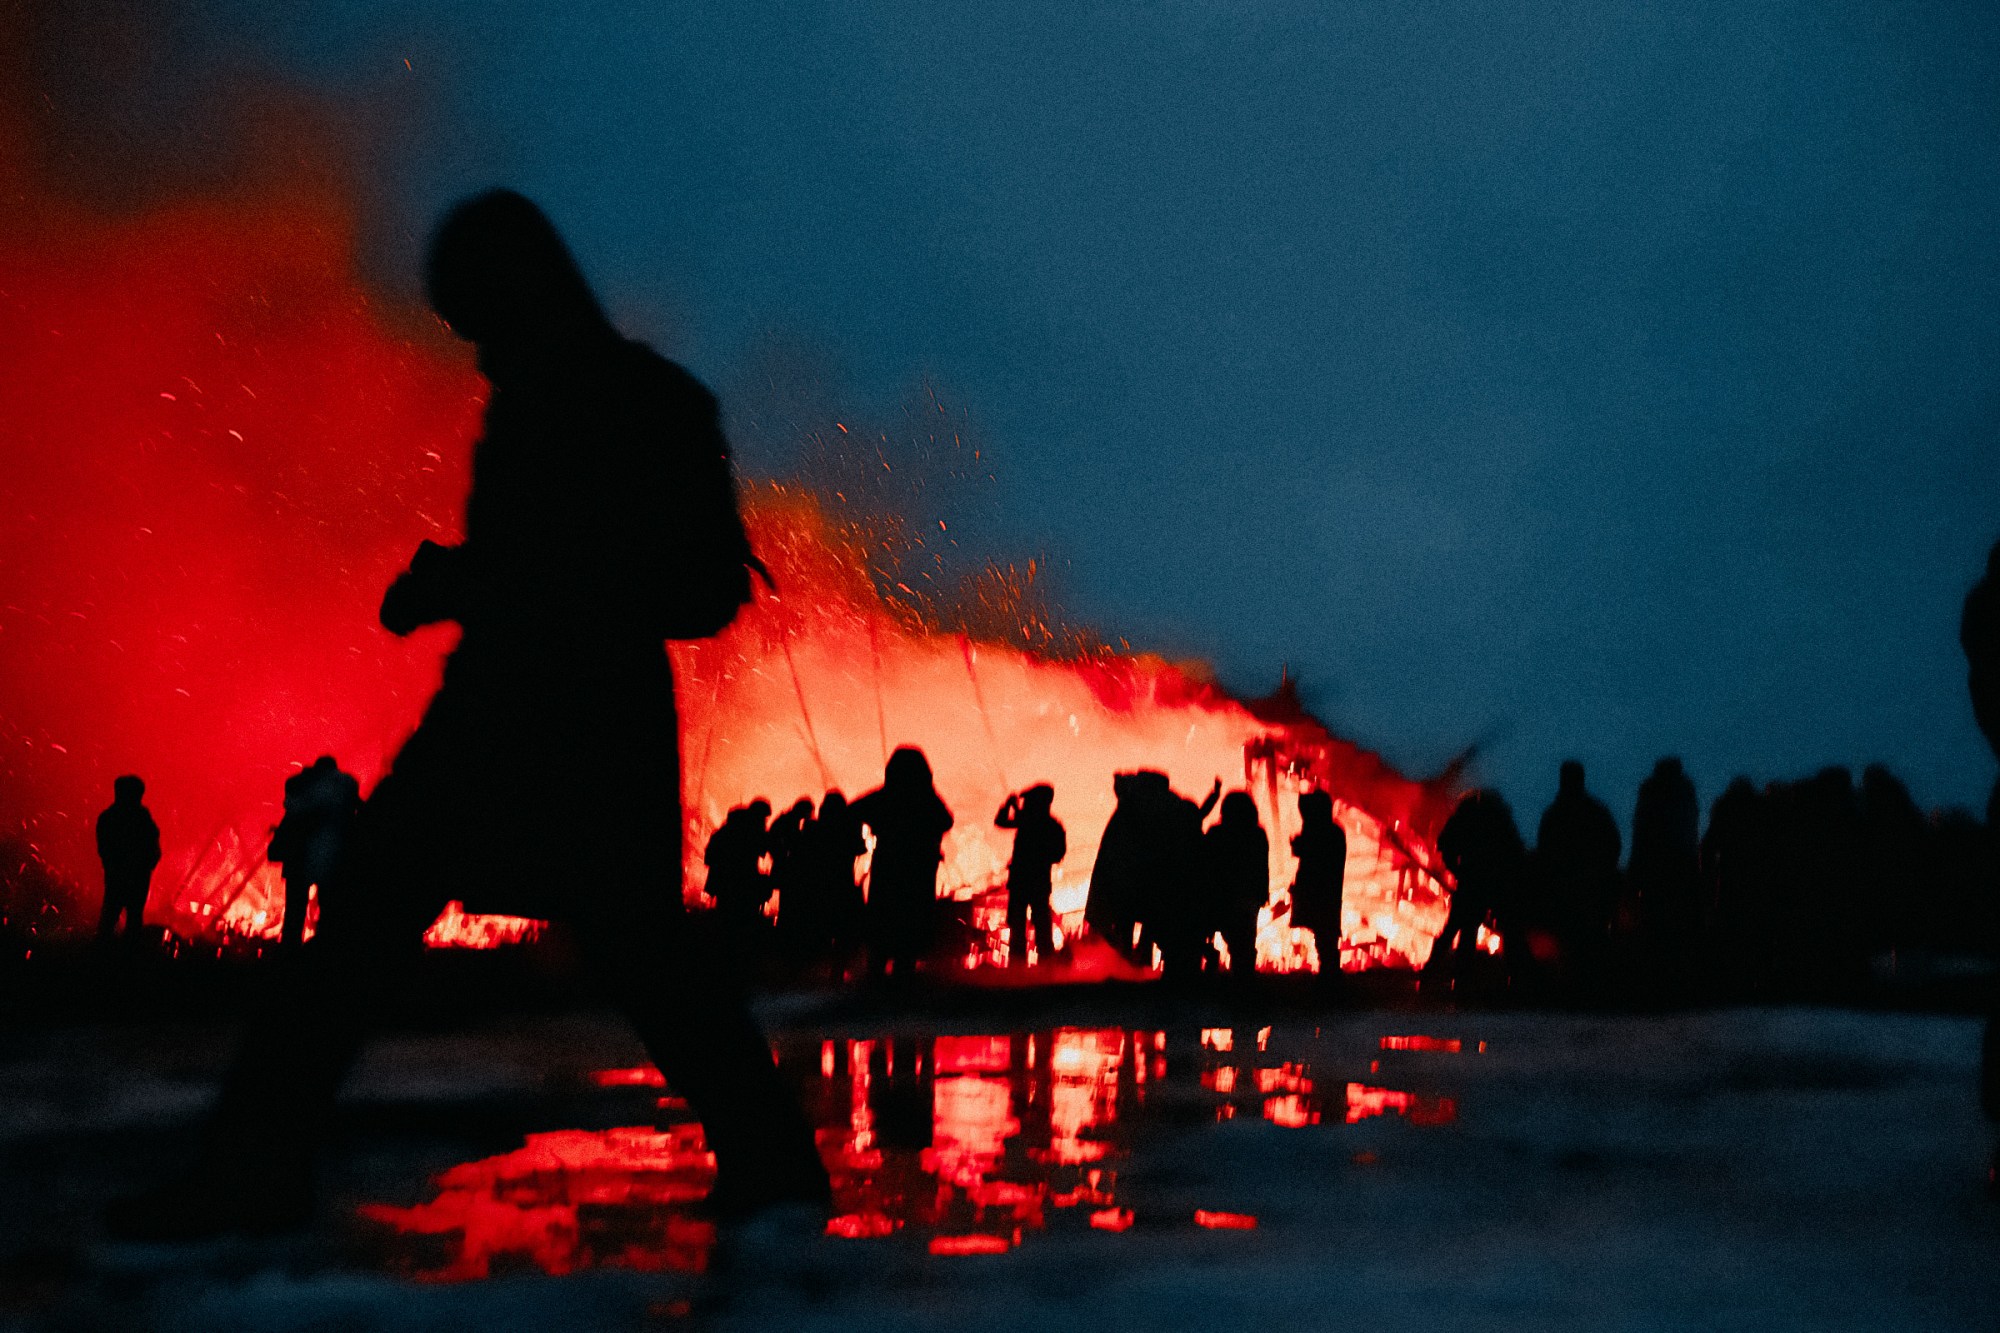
(965, 1143)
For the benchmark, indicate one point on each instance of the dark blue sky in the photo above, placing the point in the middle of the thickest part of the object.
(1598, 380)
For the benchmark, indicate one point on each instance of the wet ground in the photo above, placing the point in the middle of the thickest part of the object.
(1069, 1163)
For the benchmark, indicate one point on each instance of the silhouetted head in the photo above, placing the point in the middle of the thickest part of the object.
(801, 809)
(1316, 807)
(1670, 767)
(128, 789)
(1238, 810)
(325, 764)
(833, 804)
(907, 770)
(1571, 781)
(499, 273)
(1993, 562)
(1038, 797)
(759, 810)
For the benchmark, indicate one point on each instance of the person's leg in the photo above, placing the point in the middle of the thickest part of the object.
(1045, 946)
(107, 916)
(696, 1024)
(293, 933)
(253, 1168)
(1017, 928)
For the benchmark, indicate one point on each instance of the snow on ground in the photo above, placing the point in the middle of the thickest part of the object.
(1753, 1169)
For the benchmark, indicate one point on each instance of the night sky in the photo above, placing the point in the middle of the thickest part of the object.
(1579, 380)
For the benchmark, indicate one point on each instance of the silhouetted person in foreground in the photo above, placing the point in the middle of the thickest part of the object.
(1236, 857)
(736, 881)
(909, 821)
(1321, 846)
(1481, 847)
(544, 778)
(320, 805)
(1979, 635)
(1666, 869)
(1039, 844)
(128, 844)
(1577, 848)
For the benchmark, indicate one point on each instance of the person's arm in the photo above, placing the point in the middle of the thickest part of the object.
(1214, 795)
(1010, 813)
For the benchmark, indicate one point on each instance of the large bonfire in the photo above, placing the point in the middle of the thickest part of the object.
(219, 447)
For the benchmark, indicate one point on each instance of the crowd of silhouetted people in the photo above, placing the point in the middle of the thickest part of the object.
(1163, 889)
(602, 522)
(1798, 889)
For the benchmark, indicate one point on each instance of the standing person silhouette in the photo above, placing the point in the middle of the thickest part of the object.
(735, 881)
(1665, 874)
(1321, 846)
(1039, 843)
(909, 821)
(1577, 846)
(1237, 859)
(1481, 846)
(544, 779)
(320, 805)
(128, 844)
(831, 924)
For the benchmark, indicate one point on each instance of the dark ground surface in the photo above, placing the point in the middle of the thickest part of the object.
(1810, 1168)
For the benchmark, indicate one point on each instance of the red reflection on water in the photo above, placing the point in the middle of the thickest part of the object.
(1283, 1078)
(1224, 1221)
(564, 1201)
(1291, 1111)
(1451, 1045)
(974, 1242)
(963, 1142)
(638, 1076)
(1083, 1094)
(1364, 1101)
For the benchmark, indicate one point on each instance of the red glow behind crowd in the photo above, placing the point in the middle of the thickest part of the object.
(220, 449)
